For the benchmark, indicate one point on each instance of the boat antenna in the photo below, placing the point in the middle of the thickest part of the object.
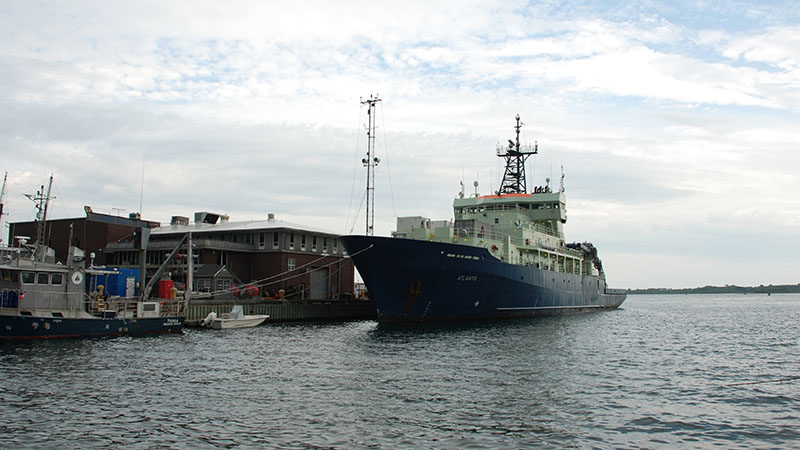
(371, 162)
(41, 200)
(141, 191)
(2, 197)
(562, 178)
(515, 155)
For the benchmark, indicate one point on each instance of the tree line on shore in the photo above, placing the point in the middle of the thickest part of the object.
(727, 289)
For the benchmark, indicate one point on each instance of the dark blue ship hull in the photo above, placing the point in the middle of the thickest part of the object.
(29, 327)
(412, 281)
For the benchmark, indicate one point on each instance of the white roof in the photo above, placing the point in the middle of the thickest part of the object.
(252, 225)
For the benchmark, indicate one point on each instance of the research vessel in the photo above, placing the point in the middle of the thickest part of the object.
(41, 298)
(503, 255)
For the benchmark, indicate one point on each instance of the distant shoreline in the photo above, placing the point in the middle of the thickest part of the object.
(729, 289)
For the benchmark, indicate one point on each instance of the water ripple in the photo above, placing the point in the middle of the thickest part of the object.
(663, 371)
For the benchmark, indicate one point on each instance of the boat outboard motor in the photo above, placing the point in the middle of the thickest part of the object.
(209, 318)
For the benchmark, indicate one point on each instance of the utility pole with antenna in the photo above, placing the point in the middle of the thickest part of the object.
(371, 162)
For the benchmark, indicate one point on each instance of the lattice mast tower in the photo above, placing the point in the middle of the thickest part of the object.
(515, 155)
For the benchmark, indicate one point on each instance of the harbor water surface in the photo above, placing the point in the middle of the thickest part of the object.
(691, 370)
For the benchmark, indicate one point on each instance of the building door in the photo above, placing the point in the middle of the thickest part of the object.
(319, 284)
(130, 287)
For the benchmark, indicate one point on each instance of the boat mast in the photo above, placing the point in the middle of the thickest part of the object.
(41, 200)
(515, 155)
(371, 162)
(2, 197)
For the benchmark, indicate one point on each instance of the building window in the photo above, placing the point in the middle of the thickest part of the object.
(275, 240)
(335, 245)
(291, 241)
(290, 263)
(223, 285)
(261, 240)
(203, 285)
(313, 243)
(324, 244)
(302, 242)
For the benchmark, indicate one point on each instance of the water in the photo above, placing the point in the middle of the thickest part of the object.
(660, 372)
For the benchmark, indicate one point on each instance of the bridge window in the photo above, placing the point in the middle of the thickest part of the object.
(28, 277)
(42, 278)
(57, 279)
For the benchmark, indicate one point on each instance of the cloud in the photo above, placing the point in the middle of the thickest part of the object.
(678, 134)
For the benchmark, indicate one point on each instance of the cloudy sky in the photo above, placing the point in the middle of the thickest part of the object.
(677, 124)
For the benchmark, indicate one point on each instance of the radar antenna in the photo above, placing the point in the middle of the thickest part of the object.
(371, 162)
(515, 155)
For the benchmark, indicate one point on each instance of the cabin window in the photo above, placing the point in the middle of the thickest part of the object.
(28, 277)
(275, 240)
(335, 245)
(302, 242)
(324, 244)
(42, 278)
(57, 279)
(290, 263)
(496, 220)
(314, 243)
(10, 275)
(261, 240)
(56, 314)
(291, 241)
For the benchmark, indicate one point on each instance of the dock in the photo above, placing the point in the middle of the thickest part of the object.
(286, 310)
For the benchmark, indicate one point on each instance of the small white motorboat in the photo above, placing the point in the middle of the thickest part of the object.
(234, 319)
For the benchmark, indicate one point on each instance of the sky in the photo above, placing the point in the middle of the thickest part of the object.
(676, 123)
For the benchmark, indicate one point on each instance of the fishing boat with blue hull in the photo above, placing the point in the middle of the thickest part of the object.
(42, 299)
(502, 256)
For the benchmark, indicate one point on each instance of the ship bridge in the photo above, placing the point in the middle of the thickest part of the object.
(545, 211)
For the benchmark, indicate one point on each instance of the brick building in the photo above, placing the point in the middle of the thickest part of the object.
(272, 255)
(91, 233)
